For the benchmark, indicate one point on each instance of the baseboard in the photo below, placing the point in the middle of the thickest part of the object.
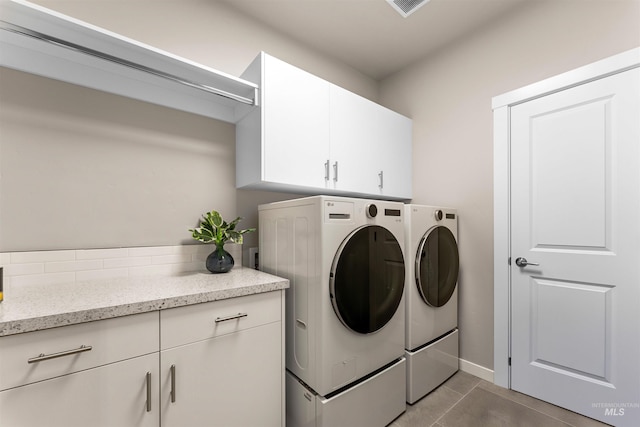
(477, 370)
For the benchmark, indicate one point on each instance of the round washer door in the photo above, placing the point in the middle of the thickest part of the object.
(367, 279)
(437, 265)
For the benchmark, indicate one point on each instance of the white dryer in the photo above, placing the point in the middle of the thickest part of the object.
(344, 258)
(431, 292)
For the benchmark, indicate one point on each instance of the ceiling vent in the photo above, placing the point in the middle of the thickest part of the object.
(407, 7)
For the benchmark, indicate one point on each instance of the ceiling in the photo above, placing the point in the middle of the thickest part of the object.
(370, 35)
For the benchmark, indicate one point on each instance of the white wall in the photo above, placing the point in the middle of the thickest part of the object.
(83, 169)
(448, 95)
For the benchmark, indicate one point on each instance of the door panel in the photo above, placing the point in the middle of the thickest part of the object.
(575, 194)
(588, 323)
(571, 168)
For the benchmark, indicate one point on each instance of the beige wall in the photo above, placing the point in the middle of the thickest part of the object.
(84, 169)
(448, 95)
(208, 32)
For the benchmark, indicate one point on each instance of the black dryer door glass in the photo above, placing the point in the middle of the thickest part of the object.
(437, 265)
(367, 279)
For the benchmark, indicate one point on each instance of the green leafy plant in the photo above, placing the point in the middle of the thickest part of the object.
(214, 229)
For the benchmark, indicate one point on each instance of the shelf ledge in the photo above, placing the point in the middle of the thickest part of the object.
(39, 41)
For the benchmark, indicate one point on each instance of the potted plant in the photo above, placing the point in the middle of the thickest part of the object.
(214, 229)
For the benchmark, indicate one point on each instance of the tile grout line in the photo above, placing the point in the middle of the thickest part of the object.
(529, 407)
(456, 403)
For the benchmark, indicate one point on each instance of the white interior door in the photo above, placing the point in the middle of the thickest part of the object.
(575, 211)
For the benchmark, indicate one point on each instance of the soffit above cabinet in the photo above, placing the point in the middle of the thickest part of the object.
(39, 41)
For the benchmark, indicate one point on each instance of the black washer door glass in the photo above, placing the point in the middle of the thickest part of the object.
(437, 266)
(367, 279)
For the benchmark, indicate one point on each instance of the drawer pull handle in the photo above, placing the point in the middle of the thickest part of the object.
(173, 383)
(232, 317)
(42, 357)
(148, 391)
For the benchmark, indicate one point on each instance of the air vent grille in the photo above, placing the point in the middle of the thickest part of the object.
(407, 7)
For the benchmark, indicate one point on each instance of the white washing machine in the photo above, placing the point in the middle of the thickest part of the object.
(431, 292)
(344, 258)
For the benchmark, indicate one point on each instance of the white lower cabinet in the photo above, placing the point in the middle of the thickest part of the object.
(211, 364)
(227, 367)
(107, 396)
(232, 380)
(99, 374)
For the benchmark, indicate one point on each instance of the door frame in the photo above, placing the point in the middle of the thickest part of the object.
(502, 190)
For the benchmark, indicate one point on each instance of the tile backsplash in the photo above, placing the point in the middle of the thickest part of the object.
(51, 267)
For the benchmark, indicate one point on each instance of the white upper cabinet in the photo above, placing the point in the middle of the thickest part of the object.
(372, 146)
(285, 142)
(310, 136)
(40, 41)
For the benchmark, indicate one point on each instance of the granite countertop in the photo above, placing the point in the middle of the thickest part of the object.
(35, 307)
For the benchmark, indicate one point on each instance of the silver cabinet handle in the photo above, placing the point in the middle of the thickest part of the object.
(335, 172)
(42, 357)
(148, 391)
(381, 176)
(173, 383)
(232, 317)
(326, 170)
(522, 262)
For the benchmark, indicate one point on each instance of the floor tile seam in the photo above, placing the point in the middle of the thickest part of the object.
(533, 409)
(462, 396)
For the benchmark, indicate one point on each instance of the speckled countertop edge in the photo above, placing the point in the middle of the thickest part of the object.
(29, 308)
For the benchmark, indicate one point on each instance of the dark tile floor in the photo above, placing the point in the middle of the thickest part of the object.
(467, 401)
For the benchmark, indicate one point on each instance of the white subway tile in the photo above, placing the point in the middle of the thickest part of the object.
(191, 266)
(101, 253)
(43, 279)
(236, 252)
(151, 251)
(42, 256)
(192, 249)
(107, 273)
(205, 249)
(199, 257)
(22, 269)
(127, 262)
(153, 270)
(92, 264)
(5, 258)
(170, 259)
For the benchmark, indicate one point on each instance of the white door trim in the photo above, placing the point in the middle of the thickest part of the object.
(501, 192)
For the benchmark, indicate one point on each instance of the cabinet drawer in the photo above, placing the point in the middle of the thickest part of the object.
(183, 325)
(110, 341)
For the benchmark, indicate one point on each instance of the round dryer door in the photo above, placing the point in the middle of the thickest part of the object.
(437, 266)
(367, 279)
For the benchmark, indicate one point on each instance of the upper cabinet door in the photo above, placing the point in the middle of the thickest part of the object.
(285, 143)
(296, 125)
(371, 145)
(394, 160)
(354, 144)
